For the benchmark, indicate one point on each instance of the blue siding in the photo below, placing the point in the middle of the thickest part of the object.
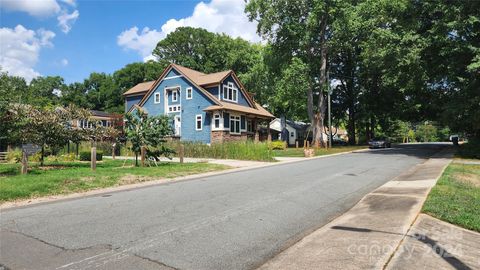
(189, 109)
(172, 72)
(226, 120)
(132, 100)
(213, 91)
(242, 100)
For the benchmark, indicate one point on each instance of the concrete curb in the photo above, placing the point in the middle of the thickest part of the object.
(7, 206)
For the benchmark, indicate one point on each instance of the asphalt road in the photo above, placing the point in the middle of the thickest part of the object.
(231, 221)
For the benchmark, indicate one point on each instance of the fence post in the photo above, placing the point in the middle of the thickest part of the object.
(24, 162)
(181, 152)
(296, 144)
(93, 157)
(308, 144)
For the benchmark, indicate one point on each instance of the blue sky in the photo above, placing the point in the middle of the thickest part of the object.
(74, 38)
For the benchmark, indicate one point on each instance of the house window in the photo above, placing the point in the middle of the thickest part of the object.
(234, 124)
(189, 93)
(230, 92)
(198, 122)
(216, 120)
(157, 98)
(249, 126)
(292, 134)
(175, 95)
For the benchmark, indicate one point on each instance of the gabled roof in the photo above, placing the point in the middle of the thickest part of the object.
(139, 88)
(200, 79)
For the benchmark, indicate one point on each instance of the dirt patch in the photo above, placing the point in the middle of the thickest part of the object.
(468, 178)
(132, 179)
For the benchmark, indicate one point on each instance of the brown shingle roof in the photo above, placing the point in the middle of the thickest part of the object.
(201, 78)
(139, 88)
(259, 111)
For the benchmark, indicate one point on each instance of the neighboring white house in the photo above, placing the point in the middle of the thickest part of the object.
(300, 131)
(296, 130)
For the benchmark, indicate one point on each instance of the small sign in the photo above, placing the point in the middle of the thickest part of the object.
(31, 149)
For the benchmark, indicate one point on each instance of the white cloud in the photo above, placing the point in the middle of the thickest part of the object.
(66, 20)
(37, 8)
(142, 42)
(45, 8)
(64, 62)
(20, 48)
(219, 16)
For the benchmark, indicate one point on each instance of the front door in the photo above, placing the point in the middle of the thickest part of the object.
(177, 124)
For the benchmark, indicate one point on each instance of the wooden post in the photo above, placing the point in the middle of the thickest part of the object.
(93, 156)
(296, 144)
(308, 144)
(24, 169)
(113, 151)
(181, 152)
(269, 134)
(142, 157)
(257, 135)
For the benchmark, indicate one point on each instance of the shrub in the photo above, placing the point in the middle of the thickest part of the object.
(68, 157)
(278, 145)
(14, 156)
(85, 155)
(35, 157)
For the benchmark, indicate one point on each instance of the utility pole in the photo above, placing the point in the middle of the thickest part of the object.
(330, 138)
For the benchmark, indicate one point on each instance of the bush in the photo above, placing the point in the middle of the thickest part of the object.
(68, 157)
(85, 156)
(277, 145)
(35, 157)
(14, 156)
(231, 150)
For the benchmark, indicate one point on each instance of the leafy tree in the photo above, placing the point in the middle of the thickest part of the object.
(147, 134)
(300, 29)
(45, 90)
(13, 89)
(207, 52)
(135, 73)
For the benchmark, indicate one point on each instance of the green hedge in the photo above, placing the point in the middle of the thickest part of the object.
(85, 156)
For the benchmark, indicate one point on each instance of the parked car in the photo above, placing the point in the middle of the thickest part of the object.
(380, 142)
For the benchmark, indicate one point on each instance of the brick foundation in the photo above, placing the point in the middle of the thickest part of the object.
(225, 136)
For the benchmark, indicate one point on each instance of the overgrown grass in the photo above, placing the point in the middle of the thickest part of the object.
(456, 197)
(231, 150)
(298, 152)
(68, 177)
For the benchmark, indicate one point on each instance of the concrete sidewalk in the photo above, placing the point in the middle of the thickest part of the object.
(367, 236)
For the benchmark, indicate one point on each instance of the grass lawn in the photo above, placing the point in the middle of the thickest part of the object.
(298, 152)
(69, 177)
(456, 197)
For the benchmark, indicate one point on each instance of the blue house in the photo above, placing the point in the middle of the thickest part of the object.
(208, 108)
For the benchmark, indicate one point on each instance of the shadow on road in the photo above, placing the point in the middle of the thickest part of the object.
(419, 150)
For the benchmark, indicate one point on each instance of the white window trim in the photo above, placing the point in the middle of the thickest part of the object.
(226, 95)
(220, 119)
(155, 98)
(236, 118)
(191, 93)
(196, 122)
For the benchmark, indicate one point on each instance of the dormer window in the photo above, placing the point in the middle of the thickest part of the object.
(230, 92)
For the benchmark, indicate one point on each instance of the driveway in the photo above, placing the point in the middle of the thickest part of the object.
(231, 221)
